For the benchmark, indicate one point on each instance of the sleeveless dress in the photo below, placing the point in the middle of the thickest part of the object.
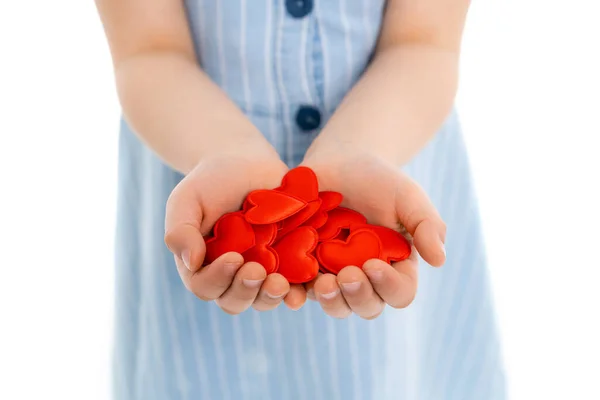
(287, 64)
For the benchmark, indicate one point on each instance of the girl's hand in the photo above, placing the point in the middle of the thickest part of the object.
(386, 196)
(214, 187)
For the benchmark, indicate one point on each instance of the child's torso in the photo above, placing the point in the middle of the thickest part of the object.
(274, 57)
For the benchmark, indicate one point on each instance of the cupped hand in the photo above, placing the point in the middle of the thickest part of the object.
(385, 196)
(215, 187)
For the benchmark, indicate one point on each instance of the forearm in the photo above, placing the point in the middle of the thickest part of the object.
(397, 106)
(176, 109)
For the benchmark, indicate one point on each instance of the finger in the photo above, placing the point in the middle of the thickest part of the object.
(272, 292)
(210, 282)
(310, 291)
(329, 296)
(359, 293)
(397, 284)
(421, 219)
(296, 298)
(243, 290)
(182, 228)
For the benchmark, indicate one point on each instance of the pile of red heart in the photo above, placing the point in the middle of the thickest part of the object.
(296, 230)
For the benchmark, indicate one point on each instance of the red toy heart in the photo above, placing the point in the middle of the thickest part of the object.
(300, 182)
(329, 201)
(261, 252)
(270, 206)
(288, 225)
(296, 263)
(361, 245)
(231, 233)
(394, 246)
(337, 219)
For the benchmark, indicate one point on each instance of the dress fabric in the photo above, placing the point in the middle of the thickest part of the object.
(275, 58)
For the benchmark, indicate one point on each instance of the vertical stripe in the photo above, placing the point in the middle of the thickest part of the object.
(310, 331)
(301, 382)
(202, 32)
(243, 61)
(367, 4)
(435, 357)
(333, 371)
(374, 338)
(199, 356)
(221, 46)
(269, 73)
(326, 67)
(465, 356)
(347, 42)
(411, 354)
(354, 351)
(260, 341)
(280, 351)
(219, 354)
(281, 87)
(303, 48)
(239, 355)
(176, 349)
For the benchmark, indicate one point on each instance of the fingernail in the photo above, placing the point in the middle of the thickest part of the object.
(252, 283)
(375, 275)
(351, 287)
(443, 248)
(331, 295)
(273, 296)
(185, 257)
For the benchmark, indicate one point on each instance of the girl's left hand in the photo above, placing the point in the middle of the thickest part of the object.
(387, 197)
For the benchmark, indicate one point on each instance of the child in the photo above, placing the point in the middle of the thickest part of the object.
(221, 98)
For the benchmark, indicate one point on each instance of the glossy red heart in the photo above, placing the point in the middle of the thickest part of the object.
(231, 233)
(262, 252)
(394, 246)
(338, 219)
(361, 246)
(329, 201)
(301, 182)
(296, 262)
(270, 206)
(291, 223)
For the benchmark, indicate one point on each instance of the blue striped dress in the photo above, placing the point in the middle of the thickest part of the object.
(274, 58)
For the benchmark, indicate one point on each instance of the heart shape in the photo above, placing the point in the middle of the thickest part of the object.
(329, 201)
(291, 223)
(262, 252)
(361, 246)
(270, 206)
(394, 246)
(231, 233)
(338, 219)
(296, 262)
(300, 182)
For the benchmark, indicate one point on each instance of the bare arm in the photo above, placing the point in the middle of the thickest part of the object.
(408, 90)
(167, 99)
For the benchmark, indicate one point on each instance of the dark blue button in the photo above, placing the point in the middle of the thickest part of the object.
(308, 118)
(299, 8)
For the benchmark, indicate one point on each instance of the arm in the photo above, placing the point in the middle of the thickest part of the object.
(408, 90)
(173, 106)
(167, 99)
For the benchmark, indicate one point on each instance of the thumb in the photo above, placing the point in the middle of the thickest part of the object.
(182, 228)
(421, 219)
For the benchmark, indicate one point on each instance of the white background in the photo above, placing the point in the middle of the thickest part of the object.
(530, 102)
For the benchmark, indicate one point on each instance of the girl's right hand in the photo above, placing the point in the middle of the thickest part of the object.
(214, 187)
